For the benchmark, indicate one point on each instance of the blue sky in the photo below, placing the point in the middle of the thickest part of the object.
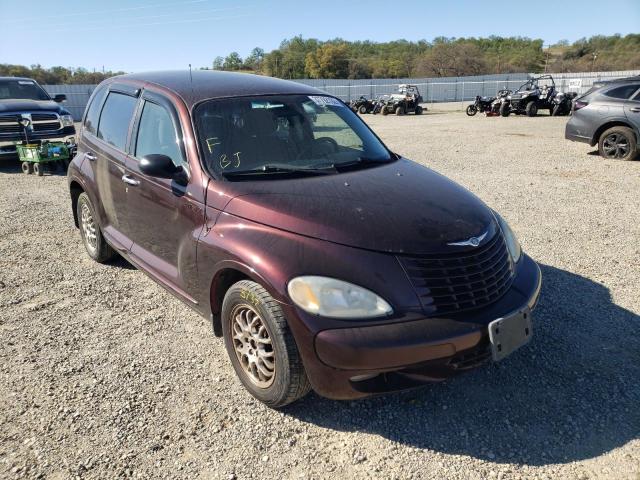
(166, 34)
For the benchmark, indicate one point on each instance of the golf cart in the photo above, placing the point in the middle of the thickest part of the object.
(407, 100)
(535, 94)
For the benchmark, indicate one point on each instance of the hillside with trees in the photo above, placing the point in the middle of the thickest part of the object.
(443, 57)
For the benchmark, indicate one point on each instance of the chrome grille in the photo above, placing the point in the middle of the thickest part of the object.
(461, 281)
(40, 122)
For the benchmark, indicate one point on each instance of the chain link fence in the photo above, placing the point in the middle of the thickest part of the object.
(433, 90)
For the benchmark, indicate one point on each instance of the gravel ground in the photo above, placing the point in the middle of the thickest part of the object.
(105, 375)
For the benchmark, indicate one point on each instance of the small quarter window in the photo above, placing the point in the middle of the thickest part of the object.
(115, 119)
(93, 112)
(157, 134)
(623, 92)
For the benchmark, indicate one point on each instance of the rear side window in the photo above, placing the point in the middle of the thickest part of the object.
(157, 134)
(623, 92)
(115, 118)
(93, 113)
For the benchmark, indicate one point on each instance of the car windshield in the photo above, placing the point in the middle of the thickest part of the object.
(22, 89)
(297, 134)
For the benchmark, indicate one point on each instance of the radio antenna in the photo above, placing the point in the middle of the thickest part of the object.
(191, 79)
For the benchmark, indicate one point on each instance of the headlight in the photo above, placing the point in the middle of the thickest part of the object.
(333, 298)
(510, 238)
(67, 120)
(508, 97)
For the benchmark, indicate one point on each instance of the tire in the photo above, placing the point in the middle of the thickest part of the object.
(383, 111)
(531, 109)
(362, 110)
(97, 248)
(472, 110)
(418, 110)
(27, 169)
(38, 169)
(505, 110)
(278, 382)
(557, 111)
(399, 111)
(618, 143)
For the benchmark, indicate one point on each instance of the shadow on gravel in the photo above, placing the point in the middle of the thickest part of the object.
(572, 394)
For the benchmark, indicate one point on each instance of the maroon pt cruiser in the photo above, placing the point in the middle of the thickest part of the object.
(325, 260)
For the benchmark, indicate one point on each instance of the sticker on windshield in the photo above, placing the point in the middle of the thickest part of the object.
(326, 101)
(25, 82)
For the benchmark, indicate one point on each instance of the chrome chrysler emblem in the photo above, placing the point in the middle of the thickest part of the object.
(471, 242)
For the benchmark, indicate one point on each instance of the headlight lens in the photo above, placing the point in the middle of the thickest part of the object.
(512, 242)
(333, 298)
(67, 120)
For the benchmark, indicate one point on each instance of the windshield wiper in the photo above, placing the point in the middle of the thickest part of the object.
(360, 161)
(268, 169)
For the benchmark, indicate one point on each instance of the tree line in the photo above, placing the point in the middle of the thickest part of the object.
(300, 57)
(443, 57)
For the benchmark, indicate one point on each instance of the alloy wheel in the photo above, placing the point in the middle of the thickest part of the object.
(88, 227)
(252, 345)
(615, 146)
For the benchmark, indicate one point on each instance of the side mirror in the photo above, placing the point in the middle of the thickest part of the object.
(59, 98)
(160, 166)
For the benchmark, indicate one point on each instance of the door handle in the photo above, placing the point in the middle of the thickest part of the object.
(130, 181)
(90, 156)
(635, 109)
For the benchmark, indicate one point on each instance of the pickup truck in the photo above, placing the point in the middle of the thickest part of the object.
(23, 98)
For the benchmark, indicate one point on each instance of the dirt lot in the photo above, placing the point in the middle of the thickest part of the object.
(105, 375)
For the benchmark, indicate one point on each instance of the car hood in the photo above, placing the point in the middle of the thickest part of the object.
(24, 105)
(401, 207)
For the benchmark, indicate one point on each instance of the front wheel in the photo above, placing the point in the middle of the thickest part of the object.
(618, 143)
(557, 110)
(27, 168)
(418, 110)
(261, 346)
(95, 244)
(384, 111)
(505, 110)
(399, 111)
(472, 110)
(38, 169)
(531, 109)
(362, 110)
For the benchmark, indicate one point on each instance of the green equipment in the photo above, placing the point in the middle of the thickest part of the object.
(36, 156)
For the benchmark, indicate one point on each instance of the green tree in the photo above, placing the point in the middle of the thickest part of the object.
(233, 61)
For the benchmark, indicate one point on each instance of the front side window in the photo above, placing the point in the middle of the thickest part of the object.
(115, 118)
(298, 133)
(93, 113)
(157, 134)
(623, 92)
(22, 89)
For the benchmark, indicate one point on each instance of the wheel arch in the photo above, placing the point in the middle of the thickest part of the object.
(75, 189)
(227, 274)
(606, 126)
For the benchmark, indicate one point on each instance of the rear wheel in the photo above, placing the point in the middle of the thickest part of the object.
(418, 110)
(38, 169)
(618, 143)
(505, 110)
(531, 109)
(399, 110)
(95, 244)
(362, 110)
(472, 110)
(557, 110)
(26, 168)
(261, 346)
(384, 111)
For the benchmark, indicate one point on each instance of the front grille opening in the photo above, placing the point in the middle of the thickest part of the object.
(462, 281)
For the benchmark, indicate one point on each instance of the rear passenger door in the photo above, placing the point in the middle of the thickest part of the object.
(632, 109)
(105, 137)
(164, 221)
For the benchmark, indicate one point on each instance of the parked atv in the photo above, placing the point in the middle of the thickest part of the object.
(501, 97)
(530, 98)
(562, 103)
(408, 100)
(378, 103)
(362, 105)
(482, 104)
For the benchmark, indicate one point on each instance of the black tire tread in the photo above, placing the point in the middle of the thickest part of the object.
(298, 385)
(633, 142)
(104, 252)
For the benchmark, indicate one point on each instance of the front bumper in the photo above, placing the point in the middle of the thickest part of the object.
(354, 362)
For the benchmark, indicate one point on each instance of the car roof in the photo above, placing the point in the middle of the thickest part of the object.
(17, 78)
(199, 85)
(617, 80)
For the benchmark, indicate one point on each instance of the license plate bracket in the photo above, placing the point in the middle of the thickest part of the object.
(507, 334)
